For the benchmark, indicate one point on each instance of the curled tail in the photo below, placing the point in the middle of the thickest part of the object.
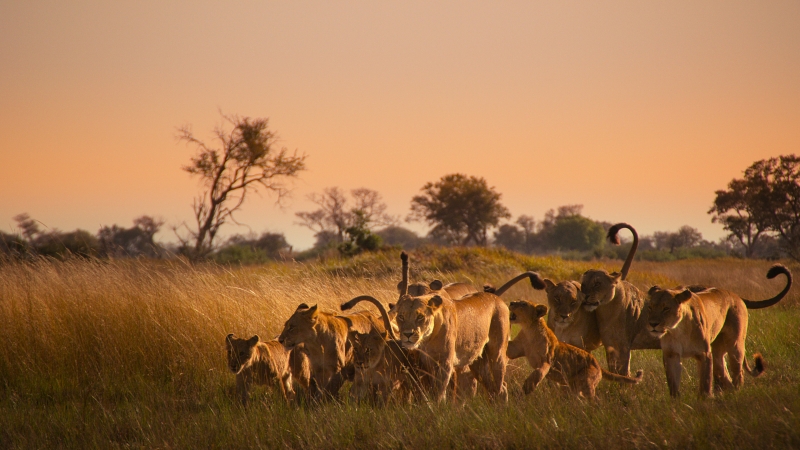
(774, 271)
(622, 378)
(614, 239)
(366, 298)
(536, 282)
(758, 367)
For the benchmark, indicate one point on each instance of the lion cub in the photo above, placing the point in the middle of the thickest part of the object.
(561, 363)
(382, 367)
(264, 363)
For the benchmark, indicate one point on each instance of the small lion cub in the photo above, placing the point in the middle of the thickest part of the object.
(382, 367)
(561, 363)
(263, 363)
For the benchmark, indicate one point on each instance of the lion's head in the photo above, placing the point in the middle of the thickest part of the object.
(239, 351)
(664, 309)
(300, 326)
(526, 314)
(598, 287)
(368, 349)
(564, 300)
(416, 318)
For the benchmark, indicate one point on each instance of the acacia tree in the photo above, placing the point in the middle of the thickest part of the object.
(461, 209)
(247, 159)
(739, 211)
(766, 199)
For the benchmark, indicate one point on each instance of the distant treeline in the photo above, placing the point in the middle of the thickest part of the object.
(564, 231)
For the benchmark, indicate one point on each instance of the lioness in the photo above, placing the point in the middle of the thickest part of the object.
(706, 326)
(263, 363)
(467, 337)
(619, 309)
(324, 337)
(383, 366)
(561, 363)
(566, 316)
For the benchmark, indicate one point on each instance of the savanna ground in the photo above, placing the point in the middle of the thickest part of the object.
(131, 354)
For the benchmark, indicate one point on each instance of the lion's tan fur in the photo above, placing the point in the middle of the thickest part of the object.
(619, 309)
(706, 326)
(466, 338)
(263, 363)
(324, 338)
(382, 366)
(567, 318)
(561, 363)
(452, 290)
(621, 317)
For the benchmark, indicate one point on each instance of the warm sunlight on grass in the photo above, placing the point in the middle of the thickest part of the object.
(130, 354)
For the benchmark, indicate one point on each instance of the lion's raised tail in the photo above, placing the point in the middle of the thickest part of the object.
(758, 367)
(774, 271)
(614, 239)
(402, 287)
(622, 378)
(536, 282)
(366, 298)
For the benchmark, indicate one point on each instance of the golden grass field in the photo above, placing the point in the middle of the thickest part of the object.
(130, 354)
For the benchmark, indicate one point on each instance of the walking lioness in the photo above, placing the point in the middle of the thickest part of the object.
(465, 337)
(706, 326)
(619, 309)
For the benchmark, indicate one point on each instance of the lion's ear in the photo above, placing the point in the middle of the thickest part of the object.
(548, 284)
(436, 285)
(683, 296)
(253, 340)
(653, 290)
(228, 340)
(301, 306)
(391, 307)
(313, 311)
(541, 310)
(616, 276)
(435, 302)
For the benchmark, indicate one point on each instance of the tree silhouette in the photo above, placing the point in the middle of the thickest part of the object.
(766, 199)
(246, 160)
(335, 216)
(461, 209)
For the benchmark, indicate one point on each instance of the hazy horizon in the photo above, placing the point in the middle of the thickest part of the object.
(638, 111)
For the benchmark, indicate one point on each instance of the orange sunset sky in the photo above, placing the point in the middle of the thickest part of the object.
(638, 110)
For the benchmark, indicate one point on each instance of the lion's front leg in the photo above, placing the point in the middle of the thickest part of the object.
(618, 359)
(287, 389)
(515, 350)
(243, 382)
(535, 378)
(441, 380)
(673, 368)
(705, 368)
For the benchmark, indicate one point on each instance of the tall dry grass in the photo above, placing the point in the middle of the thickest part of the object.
(131, 354)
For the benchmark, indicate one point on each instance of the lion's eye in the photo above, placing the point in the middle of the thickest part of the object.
(400, 319)
(596, 284)
(420, 318)
(242, 354)
(666, 308)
